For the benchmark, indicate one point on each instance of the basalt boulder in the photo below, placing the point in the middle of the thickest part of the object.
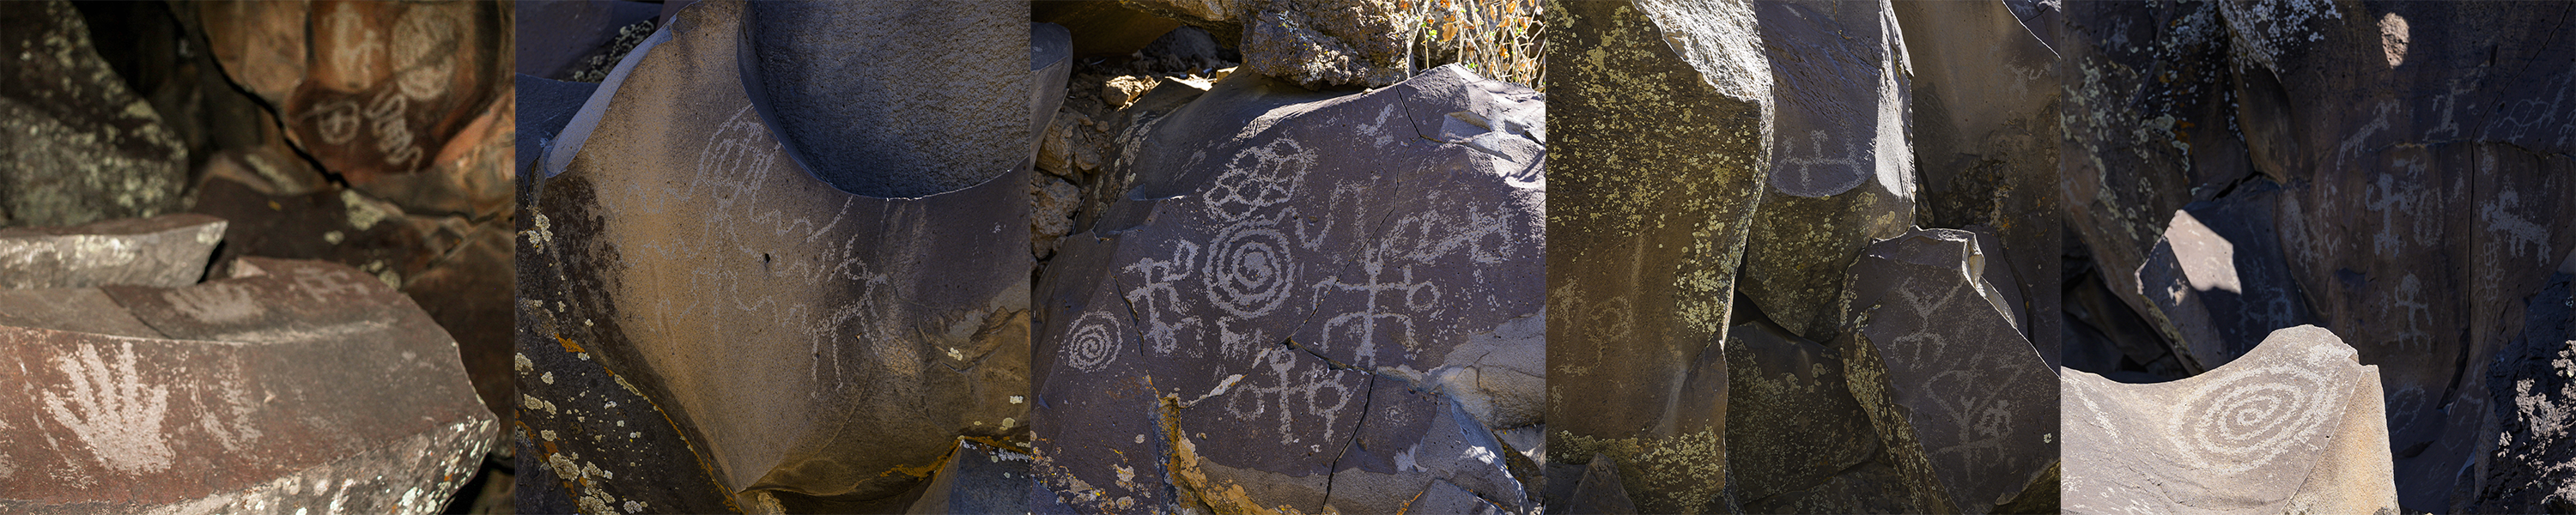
(82, 145)
(1273, 322)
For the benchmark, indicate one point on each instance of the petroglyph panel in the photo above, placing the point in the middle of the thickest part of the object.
(1959, 398)
(1264, 317)
(2294, 425)
(388, 85)
(374, 412)
(768, 314)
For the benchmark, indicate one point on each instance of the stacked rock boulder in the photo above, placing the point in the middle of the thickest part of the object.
(273, 383)
(1791, 362)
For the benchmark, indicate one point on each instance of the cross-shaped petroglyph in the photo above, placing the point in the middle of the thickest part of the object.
(2417, 315)
(108, 406)
(1805, 166)
(2388, 202)
(1416, 296)
(1160, 301)
(1293, 391)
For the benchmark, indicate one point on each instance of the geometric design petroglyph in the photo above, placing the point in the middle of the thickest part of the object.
(1250, 268)
(2244, 419)
(1093, 343)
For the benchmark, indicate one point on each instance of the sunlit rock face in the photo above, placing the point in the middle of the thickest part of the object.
(2292, 426)
(1275, 318)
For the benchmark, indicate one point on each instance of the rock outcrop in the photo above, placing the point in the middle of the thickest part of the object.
(2293, 426)
(1271, 322)
(690, 282)
(83, 146)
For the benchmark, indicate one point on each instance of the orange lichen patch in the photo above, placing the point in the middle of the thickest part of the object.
(568, 345)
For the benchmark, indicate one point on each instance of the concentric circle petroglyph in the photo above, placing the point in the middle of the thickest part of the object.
(1250, 269)
(2241, 420)
(1093, 343)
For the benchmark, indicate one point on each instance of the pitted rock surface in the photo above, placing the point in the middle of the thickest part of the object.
(82, 146)
(364, 405)
(1965, 407)
(2292, 427)
(767, 314)
(167, 251)
(1273, 325)
(1661, 181)
(1841, 165)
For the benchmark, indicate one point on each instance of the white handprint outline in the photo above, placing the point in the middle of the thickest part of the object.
(112, 410)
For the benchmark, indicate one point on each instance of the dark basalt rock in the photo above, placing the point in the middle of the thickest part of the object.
(1986, 89)
(2530, 463)
(978, 478)
(82, 145)
(2293, 426)
(825, 78)
(770, 316)
(1599, 490)
(2426, 193)
(1661, 181)
(1314, 44)
(1272, 322)
(2218, 281)
(288, 383)
(1841, 172)
(167, 251)
(568, 34)
(1792, 428)
(1963, 404)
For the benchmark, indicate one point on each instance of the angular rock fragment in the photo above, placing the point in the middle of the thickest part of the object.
(1276, 323)
(770, 315)
(2218, 281)
(1599, 489)
(1661, 181)
(1986, 98)
(1315, 44)
(239, 404)
(82, 146)
(1963, 404)
(978, 478)
(1841, 172)
(167, 251)
(1793, 429)
(2293, 426)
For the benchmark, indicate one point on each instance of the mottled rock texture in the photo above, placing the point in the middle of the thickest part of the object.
(2292, 427)
(811, 348)
(1312, 43)
(166, 251)
(283, 384)
(82, 145)
(1274, 321)
(1662, 150)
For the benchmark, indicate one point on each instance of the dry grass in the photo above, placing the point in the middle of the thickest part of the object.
(1500, 39)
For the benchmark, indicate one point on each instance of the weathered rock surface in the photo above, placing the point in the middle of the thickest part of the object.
(2531, 462)
(768, 314)
(1841, 174)
(571, 33)
(1312, 43)
(822, 76)
(166, 251)
(1986, 89)
(1963, 404)
(1792, 429)
(1274, 322)
(83, 146)
(1661, 180)
(287, 383)
(2292, 427)
(977, 478)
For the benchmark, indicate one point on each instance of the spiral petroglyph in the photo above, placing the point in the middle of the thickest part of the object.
(1250, 269)
(1093, 343)
(2242, 421)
